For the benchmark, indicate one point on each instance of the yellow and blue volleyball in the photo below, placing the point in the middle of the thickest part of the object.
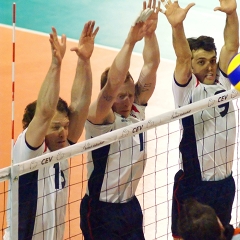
(233, 71)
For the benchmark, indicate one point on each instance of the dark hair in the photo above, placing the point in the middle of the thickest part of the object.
(203, 42)
(29, 111)
(104, 77)
(198, 221)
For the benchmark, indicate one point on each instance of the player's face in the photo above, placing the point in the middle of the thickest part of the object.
(204, 66)
(125, 98)
(56, 137)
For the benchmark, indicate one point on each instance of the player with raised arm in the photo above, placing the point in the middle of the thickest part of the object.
(208, 139)
(110, 209)
(49, 125)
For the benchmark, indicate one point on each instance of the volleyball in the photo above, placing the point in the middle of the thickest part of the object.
(233, 71)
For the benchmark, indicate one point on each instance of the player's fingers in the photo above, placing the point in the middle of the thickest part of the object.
(91, 27)
(63, 39)
(189, 6)
(95, 32)
(51, 42)
(85, 29)
(54, 33)
(88, 28)
(168, 2)
(144, 5)
(54, 30)
(158, 7)
(154, 4)
(149, 4)
(75, 49)
(217, 9)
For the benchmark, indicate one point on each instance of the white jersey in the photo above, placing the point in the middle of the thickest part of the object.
(115, 170)
(48, 205)
(214, 128)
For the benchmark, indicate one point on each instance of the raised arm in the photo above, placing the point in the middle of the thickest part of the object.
(82, 86)
(151, 56)
(175, 16)
(48, 95)
(101, 110)
(231, 33)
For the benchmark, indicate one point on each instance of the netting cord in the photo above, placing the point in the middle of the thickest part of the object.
(108, 138)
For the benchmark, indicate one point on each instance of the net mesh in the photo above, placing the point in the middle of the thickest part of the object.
(154, 190)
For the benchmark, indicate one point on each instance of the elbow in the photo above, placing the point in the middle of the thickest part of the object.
(156, 62)
(79, 106)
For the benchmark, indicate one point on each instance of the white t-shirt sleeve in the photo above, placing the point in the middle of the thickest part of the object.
(182, 93)
(22, 152)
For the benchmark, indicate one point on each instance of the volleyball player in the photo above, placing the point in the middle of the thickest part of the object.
(207, 145)
(199, 221)
(51, 125)
(110, 209)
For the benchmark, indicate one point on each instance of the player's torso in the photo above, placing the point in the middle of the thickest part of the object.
(122, 164)
(215, 130)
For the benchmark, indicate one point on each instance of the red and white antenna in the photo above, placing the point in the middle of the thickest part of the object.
(13, 72)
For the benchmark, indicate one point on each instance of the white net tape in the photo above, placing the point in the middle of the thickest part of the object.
(105, 139)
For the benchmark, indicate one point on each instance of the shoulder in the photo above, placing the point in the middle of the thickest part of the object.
(93, 130)
(223, 79)
(183, 93)
(22, 151)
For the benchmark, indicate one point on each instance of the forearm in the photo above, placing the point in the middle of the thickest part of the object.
(231, 32)
(151, 53)
(147, 80)
(180, 43)
(49, 93)
(184, 55)
(121, 64)
(82, 86)
(80, 99)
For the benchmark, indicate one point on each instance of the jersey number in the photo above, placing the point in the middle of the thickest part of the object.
(141, 141)
(63, 180)
(224, 106)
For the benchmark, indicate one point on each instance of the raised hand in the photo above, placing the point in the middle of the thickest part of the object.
(86, 41)
(136, 33)
(174, 13)
(58, 48)
(152, 21)
(227, 6)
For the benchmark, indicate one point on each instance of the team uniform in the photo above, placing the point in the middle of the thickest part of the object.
(110, 209)
(42, 196)
(206, 150)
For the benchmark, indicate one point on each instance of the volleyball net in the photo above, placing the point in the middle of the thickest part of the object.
(154, 190)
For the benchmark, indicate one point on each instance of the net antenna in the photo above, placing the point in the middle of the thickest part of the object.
(13, 72)
(14, 184)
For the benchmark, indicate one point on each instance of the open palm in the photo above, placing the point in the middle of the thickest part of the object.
(175, 14)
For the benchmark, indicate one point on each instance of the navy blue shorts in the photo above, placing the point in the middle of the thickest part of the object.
(217, 194)
(111, 221)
